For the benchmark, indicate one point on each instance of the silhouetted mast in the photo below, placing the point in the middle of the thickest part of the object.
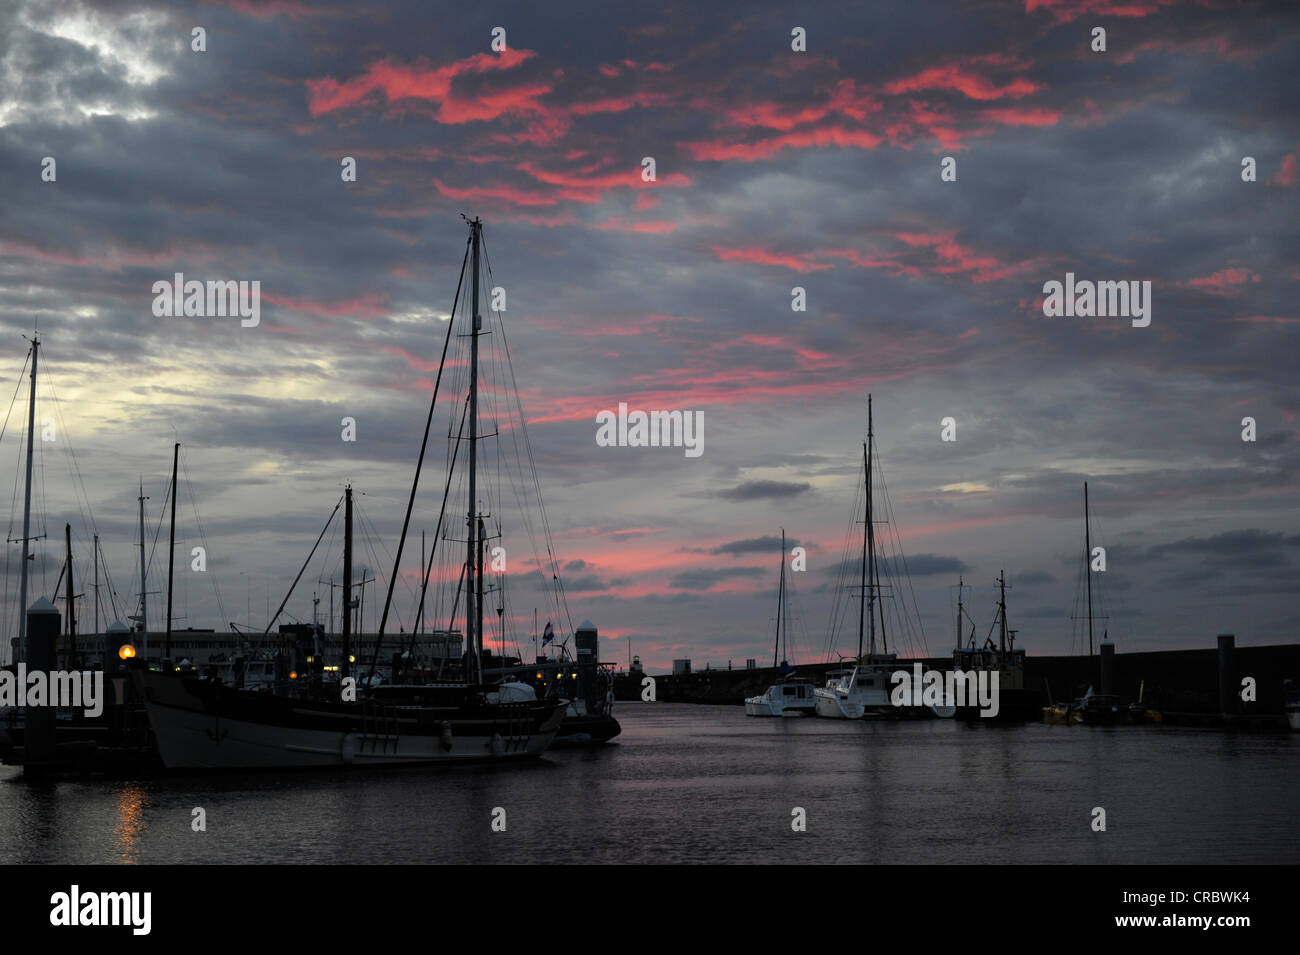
(27, 506)
(473, 555)
(1087, 560)
(171, 555)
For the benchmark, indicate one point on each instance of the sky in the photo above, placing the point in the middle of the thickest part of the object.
(775, 168)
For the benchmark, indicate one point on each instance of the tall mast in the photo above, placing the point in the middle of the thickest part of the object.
(780, 604)
(1002, 612)
(171, 555)
(866, 524)
(478, 622)
(959, 608)
(473, 615)
(72, 617)
(1087, 561)
(346, 663)
(95, 555)
(871, 532)
(784, 608)
(419, 620)
(144, 622)
(27, 506)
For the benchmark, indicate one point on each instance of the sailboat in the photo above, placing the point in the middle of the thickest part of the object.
(1102, 709)
(863, 689)
(788, 696)
(202, 724)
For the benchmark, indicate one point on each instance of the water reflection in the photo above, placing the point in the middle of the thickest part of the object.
(130, 826)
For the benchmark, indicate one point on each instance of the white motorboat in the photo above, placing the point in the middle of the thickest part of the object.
(791, 698)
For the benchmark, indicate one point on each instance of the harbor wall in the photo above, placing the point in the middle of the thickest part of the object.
(1175, 680)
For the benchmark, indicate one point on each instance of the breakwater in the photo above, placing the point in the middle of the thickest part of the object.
(1176, 681)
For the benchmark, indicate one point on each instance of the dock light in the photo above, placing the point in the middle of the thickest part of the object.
(293, 675)
(539, 676)
(351, 659)
(309, 659)
(126, 651)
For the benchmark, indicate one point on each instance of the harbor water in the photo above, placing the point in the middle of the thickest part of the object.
(696, 784)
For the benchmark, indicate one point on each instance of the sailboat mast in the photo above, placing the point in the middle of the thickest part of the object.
(960, 581)
(346, 662)
(27, 507)
(1002, 612)
(95, 556)
(780, 603)
(866, 524)
(784, 608)
(478, 622)
(144, 622)
(72, 617)
(171, 555)
(1087, 560)
(871, 531)
(419, 620)
(473, 566)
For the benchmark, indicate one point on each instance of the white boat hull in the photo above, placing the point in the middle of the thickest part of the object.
(761, 706)
(833, 705)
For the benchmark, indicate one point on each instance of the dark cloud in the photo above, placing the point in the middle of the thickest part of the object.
(763, 490)
(774, 170)
(754, 545)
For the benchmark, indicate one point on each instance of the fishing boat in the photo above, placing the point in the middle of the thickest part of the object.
(789, 695)
(1015, 702)
(863, 690)
(202, 724)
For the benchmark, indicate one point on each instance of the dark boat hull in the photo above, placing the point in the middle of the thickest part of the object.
(202, 725)
(586, 730)
(1014, 706)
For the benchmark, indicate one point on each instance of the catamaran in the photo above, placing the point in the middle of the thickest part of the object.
(203, 724)
(864, 689)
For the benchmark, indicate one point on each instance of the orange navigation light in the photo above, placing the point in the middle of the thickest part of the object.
(126, 651)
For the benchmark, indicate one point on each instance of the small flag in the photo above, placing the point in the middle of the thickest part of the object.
(548, 634)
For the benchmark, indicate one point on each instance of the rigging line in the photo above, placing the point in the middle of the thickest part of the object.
(374, 545)
(437, 534)
(280, 610)
(87, 512)
(406, 521)
(839, 603)
(103, 566)
(40, 456)
(14, 399)
(194, 508)
(162, 511)
(13, 505)
(562, 598)
(889, 507)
